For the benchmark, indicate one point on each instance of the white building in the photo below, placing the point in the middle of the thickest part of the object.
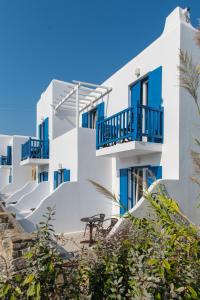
(139, 121)
(12, 175)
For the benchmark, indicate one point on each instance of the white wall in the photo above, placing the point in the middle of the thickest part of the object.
(44, 109)
(33, 198)
(77, 198)
(27, 188)
(64, 150)
(72, 201)
(63, 121)
(20, 175)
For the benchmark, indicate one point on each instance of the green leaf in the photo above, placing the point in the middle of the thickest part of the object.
(192, 292)
(5, 289)
(31, 290)
(152, 261)
(38, 288)
(12, 297)
(29, 279)
(166, 265)
(18, 290)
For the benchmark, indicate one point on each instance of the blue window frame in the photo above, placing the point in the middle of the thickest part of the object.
(90, 118)
(133, 181)
(43, 130)
(43, 176)
(60, 176)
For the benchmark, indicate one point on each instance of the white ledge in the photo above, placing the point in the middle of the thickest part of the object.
(34, 161)
(128, 149)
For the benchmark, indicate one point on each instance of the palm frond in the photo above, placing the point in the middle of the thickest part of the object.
(189, 76)
(104, 191)
(198, 36)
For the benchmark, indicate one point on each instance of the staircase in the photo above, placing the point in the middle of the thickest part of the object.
(14, 243)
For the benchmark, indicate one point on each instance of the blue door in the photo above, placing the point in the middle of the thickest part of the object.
(123, 191)
(135, 100)
(155, 101)
(133, 182)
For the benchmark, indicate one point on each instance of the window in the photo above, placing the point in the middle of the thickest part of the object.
(60, 176)
(43, 176)
(92, 118)
(144, 92)
(133, 182)
(137, 184)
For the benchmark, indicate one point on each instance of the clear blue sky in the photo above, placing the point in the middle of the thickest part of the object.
(69, 39)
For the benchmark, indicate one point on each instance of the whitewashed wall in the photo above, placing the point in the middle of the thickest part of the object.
(78, 198)
(20, 175)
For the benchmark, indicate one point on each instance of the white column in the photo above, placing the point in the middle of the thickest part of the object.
(77, 128)
(77, 108)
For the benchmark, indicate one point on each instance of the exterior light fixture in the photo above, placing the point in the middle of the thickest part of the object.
(137, 72)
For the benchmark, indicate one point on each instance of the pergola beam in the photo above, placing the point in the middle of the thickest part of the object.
(65, 98)
(90, 84)
(81, 95)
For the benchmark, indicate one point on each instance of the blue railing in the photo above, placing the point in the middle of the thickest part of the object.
(4, 160)
(34, 148)
(150, 123)
(131, 124)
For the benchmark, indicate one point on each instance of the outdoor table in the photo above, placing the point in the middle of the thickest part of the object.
(91, 221)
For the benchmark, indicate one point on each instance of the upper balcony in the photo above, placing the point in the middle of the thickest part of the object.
(35, 152)
(137, 128)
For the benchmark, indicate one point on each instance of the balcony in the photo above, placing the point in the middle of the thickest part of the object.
(35, 152)
(135, 128)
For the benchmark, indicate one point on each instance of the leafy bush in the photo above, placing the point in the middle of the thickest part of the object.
(148, 259)
(144, 259)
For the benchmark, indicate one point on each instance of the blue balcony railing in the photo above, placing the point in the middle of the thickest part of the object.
(131, 124)
(4, 161)
(34, 148)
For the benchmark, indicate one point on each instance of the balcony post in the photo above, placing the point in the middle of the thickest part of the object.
(29, 148)
(135, 121)
(97, 135)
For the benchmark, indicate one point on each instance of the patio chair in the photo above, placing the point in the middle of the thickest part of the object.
(104, 231)
(96, 224)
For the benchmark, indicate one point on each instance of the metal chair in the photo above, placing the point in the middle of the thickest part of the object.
(96, 224)
(102, 231)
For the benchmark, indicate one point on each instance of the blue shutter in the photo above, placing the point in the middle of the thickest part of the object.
(45, 176)
(155, 88)
(100, 111)
(85, 120)
(55, 179)
(46, 129)
(40, 132)
(154, 96)
(123, 191)
(135, 100)
(39, 177)
(66, 175)
(9, 155)
(156, 174)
